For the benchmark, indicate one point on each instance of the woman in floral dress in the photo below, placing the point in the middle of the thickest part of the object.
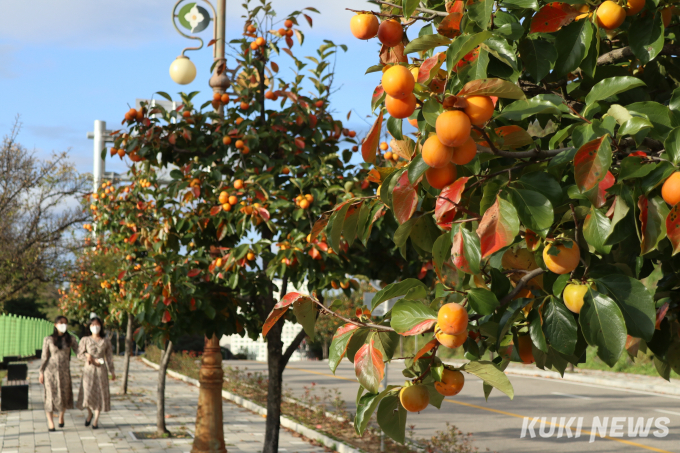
(97, 352)
(55, 374)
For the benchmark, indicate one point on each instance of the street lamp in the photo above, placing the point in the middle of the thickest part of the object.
(209, 434)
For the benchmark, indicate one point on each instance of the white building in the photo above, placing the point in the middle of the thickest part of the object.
(257, 350)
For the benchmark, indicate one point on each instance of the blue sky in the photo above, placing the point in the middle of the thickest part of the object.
(65, 64)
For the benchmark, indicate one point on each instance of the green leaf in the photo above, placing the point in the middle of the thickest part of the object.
(603, 326)
(402, 233)
(395, 290)
(559, 326)
(470, 249)
(394, 127)
(542, 182)
(392, 418)
(337, 222)
(305, 313)
(431, 111)
(367, 405)
(633, 168)
(536, 331)
(480, 12)
(426, 42)
(424, 233)
(349, 230)
(499, 48)
(441, 252)
(482, 301)
(165, 95)
(612, 86)
(416, 168)
(339, 344)
(462, 45)
(646, 35)
(534, 210)
(410, 317)
(410, 7)
(672, 145)
(176, 174)
(653, 213)
(491, 375)
(634, 125)
(635, 301)
(596, 228)
(520, 4)
(572, 44)
(525, 108)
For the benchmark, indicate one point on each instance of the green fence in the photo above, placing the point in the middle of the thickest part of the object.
(21, 336)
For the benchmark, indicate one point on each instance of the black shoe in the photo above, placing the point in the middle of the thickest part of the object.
(51, 429)
(61, 425)
(95, 427)
(87, 422)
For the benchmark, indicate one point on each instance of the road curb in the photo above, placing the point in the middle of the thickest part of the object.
(286, 422)
(663, 388)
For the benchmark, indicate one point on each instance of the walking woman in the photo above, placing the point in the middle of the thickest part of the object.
(97, 352)
(55, 374)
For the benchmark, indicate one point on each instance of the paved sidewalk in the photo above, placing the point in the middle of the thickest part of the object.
(26, 431)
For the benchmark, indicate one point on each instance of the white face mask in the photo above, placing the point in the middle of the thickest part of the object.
(61, 327)
(95, 329)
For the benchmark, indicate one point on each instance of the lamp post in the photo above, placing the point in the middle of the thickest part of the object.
(209, 434)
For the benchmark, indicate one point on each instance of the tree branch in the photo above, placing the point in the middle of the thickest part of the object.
(625, 53)
(521, 284)
(422, 10)
(292, 347)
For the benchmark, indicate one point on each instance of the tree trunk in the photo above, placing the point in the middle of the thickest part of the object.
(274, 388)
(128, 351)
(324, 353)
(117, 343)
(160, 396)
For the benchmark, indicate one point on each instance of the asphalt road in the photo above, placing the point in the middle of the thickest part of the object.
(497, 423)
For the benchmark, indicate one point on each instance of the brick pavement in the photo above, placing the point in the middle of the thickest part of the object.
(26, 431)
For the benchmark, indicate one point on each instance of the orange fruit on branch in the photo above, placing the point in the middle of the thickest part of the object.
(670, 191)
(449, 341)
(453, 128)
(288, 23)
(441, 177)
(414, 398)
(364, 26)
(451, 384)
(573, 296)
(464, 153)
(524, 349)
(634, 7)
(238, 184)
(452, 319)
(562, 258)
(400, 108)
(435, 153)
(479, 109)
(610, 15)
(390, 33)
(398, 82)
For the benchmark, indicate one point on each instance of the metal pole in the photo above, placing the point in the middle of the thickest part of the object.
(209, 436)
(99, 144)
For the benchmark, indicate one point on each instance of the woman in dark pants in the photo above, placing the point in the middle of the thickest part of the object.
(55, 374)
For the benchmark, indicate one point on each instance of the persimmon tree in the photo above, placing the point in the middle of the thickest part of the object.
(222, 205)
(541, 181)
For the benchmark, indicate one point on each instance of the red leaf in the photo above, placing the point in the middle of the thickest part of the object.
(212, 41)
(289, 41)
(450, 25)
(263, 213)
(514, 136)
(194, 272)
(491, 87)
(167, 301)
(404, 199)
(215, 210)
(434, 62)
(121, 275)
(370, 143)
(345, 330)
(275, 67)
(602, 188)
(421, 327)
(132, 239)
(167, 317)
(425, 349)
(591, 163)
(673, 227)
(369, 367)
(309, 19)
(444, 210)
(660, 314)
(221, 231)
(498, 227)
(197, 191)
(377, 94)
(318, 227)
(393, 55)
(553, 16)
(532, 240)
(458, 253)
(280, 309)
